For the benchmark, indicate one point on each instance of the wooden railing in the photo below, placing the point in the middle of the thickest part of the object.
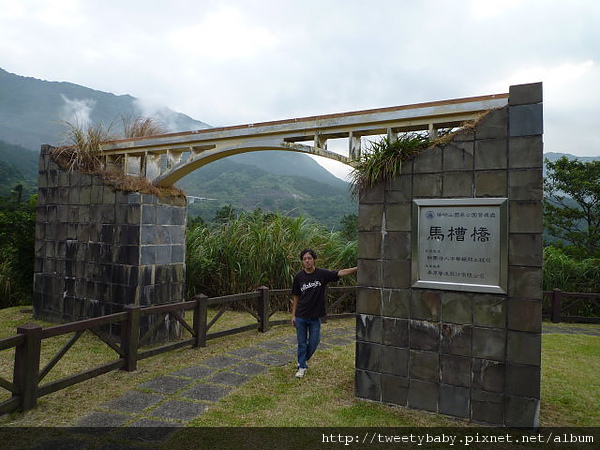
(27, 384)
(268, 303)
(563, 306)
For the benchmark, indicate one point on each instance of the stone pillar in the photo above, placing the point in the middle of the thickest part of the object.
(464, 354)
(99, 249)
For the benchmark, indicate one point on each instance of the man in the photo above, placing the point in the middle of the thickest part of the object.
(308, 307)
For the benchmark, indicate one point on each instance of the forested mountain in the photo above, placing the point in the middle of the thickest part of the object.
(34, 112)
(551, 156)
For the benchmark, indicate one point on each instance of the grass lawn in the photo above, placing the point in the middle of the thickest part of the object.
(570, 384)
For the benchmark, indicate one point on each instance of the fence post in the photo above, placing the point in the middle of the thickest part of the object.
(200, 320)
(263, 309)
(556, 305)
(27, 365)
(130, 337)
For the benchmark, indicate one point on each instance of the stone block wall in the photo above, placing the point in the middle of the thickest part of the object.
(465, 354)
(98, 249)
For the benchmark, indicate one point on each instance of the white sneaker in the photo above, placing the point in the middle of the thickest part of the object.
(301, 372)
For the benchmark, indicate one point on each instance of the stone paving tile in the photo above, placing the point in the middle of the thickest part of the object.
(274, 346)
(206, 392)
(103, 419)
(229, 378)
(248, 352)
(166, 384)
(195, 372)
(290, 340)
(144, 422)
(134, 402)
(340, 332)
(250, 368)
(221, 361)
(178, 410)
(337, 341)
(275, 359)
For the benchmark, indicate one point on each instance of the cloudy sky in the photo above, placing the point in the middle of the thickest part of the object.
(230, 62)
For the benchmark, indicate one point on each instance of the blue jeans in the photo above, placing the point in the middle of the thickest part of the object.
(308, 333)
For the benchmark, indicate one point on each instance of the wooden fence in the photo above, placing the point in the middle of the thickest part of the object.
(27, 384)
(567, 306)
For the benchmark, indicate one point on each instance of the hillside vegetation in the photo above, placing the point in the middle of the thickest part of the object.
(18, 166)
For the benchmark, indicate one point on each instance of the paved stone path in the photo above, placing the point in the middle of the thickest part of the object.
(178, 397)
(172, 400)
(156, 408)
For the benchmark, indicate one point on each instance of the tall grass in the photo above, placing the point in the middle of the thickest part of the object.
(382, 161)
(83, 149)
(83, 152)
(141, 127)
(83, 143)
(259, 250)
(569, 274)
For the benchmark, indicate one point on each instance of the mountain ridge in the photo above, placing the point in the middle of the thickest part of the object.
(553, 156)
(31, 113)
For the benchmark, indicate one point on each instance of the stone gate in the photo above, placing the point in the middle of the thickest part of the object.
(472, 355)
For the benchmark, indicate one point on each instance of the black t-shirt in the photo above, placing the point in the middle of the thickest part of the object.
(310, 288)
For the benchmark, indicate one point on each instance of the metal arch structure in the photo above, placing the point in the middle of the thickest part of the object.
(166, 158)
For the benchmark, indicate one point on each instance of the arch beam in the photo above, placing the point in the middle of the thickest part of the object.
(166, 158)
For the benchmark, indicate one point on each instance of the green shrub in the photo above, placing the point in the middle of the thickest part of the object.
(17, 233)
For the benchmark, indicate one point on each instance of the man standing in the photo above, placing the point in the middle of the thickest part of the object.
(308, 307)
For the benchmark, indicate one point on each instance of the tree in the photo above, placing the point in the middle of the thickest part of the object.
(572, 205)
(196, 222)
(349, 224)
(17, 237)
(226, 214)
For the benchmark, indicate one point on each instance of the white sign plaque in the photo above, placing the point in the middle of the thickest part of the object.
(460, 244)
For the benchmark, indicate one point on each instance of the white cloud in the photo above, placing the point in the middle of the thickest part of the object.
(485, 9)
(77, 111)
(222, 35)
(240, 62)
(562, 76)
(12, 10)
(58, 14)
(571, 104)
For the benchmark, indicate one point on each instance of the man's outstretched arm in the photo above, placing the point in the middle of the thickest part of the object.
(348, 271)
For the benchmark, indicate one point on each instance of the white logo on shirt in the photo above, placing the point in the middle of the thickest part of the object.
(310, 285)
